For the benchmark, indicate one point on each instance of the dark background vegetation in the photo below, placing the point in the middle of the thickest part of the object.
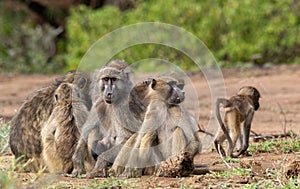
(45, 36)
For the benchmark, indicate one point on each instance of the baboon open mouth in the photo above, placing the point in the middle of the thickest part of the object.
(177, 100)
(108, 101)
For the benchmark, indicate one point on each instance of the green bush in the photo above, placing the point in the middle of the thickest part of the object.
(237, 32)
(26, 47)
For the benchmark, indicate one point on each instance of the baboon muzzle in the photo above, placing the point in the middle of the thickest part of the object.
(109, 92)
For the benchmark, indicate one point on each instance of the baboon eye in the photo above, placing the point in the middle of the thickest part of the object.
(105, 79)
(172, 83)
(56, 97)
(181, 86)
(113, 79)
(146, 82)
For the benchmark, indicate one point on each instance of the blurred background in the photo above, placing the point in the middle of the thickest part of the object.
(44, 36)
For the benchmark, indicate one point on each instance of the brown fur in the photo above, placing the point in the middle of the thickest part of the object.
(239, 108)
(26, 125)
(109, 121)
(61, 133)
(167, 130)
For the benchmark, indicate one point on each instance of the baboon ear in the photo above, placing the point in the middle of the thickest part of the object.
(153, 84)
(81, 82)
(55, 97)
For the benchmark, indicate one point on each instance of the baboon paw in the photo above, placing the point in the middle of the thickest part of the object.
(131, 173)
(75, 173)
(93, 174)
(115, 171)
(246, 154)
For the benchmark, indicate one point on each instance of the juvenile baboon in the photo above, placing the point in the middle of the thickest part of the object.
(109, 122)
(239, 108)
(137, 101)
(166, 131)
(61, 133)
(26, 125)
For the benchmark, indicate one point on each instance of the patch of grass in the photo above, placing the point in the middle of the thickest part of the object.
(276, 145)
(6, 181)
(228, 160)
(293, 183)
(231, 173)
(113, 182)
(4, 133)
(8, 176)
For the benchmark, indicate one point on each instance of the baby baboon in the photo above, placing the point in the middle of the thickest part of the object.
(26, 125)
(166, 131)
(110, 122)
(239, 108)
(61, 133)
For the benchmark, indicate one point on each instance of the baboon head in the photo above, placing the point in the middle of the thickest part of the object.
(63, 93)
(253, 93)
(168, 91)
(81, 81)
(114, 80)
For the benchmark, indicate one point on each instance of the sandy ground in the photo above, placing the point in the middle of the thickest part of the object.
(279, 111)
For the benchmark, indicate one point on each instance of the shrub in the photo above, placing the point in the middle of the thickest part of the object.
(235, 31)
(25, 47)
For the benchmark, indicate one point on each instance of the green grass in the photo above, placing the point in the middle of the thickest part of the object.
(276, 146)
(4, 133)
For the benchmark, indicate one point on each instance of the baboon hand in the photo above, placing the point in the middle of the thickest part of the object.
(76, 173)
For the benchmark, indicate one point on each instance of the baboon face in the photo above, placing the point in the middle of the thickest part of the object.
(168, 90)
(63, 93)
(177, 94)
(253, 93)
(109, 85)
(115, 85)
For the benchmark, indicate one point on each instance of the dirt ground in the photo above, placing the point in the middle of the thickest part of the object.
(279, 112)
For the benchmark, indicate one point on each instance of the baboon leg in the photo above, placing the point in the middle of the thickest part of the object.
(103, 161)
(142, 156)
(246, 133)
(179, 141)
(218, 144)
(49, 148)
(194, 146)
(232, 120)
(234, 136)
(79, 158)
(147, 153)
(123, 157)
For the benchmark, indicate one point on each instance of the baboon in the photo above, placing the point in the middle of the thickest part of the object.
(26, 125)
(109, 122)
(239, 108)
(137, 101)
(61, 133)
(166, 131)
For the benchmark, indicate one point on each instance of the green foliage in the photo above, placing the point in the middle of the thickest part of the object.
(237, 32)
(4, 133)
(276, 145)
(6, 181)
(25, 47)
(231, 173)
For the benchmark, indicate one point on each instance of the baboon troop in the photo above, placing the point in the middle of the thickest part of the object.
(239, 108)
(103, 124)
